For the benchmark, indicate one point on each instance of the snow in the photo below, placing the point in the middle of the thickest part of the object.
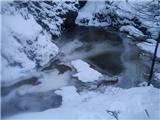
(49, 80)
(68, 98)
(149, 46)
(9, 47)
(154, 32)
(134, 103)
(29, 25)
(129, 16)
(53, 14)
(84, 72)
(157, 76)
(132, 31)
(24, 46)
(91, 7)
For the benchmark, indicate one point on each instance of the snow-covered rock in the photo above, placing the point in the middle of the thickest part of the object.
(149, 46)
(154, 32)
(84, 72)
(122, 13)
(53, 16)
(85, 15)
(25, 45)
(115, 102)
(132, 31)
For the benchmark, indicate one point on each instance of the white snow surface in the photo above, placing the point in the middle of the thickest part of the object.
(149, 46)
(24, 45)
(84, 72)
(136, 103)
(132, 31)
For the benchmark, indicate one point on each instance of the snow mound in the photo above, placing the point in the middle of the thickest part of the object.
(68, 98)
(85, 72)
(132, 31)
(149, 46)
(92, 105)
(85, 18)
(25, 46)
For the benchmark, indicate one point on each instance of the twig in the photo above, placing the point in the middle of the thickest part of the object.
(113, 113)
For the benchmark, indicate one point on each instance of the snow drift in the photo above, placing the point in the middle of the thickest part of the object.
(25, 46)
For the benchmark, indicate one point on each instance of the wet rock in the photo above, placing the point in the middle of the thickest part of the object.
(56, 64)
(107, 82)
(30, 81)
(63, 68)
(51, 65)
(82, 3)
(98, 85)
(84, 21)
(70, 19)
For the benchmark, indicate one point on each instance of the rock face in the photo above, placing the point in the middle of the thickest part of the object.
(28, 29)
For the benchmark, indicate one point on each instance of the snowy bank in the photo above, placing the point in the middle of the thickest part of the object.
(25, 46)
(135, 103)
(132, 31)
(84, 72)
(149, 46)
(129, 14)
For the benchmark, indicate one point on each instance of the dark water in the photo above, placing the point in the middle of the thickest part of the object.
(109, 52)
(109, 62)
(90, 35)
(30, 102)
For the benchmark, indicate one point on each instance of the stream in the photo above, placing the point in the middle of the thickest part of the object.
(111, 53)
